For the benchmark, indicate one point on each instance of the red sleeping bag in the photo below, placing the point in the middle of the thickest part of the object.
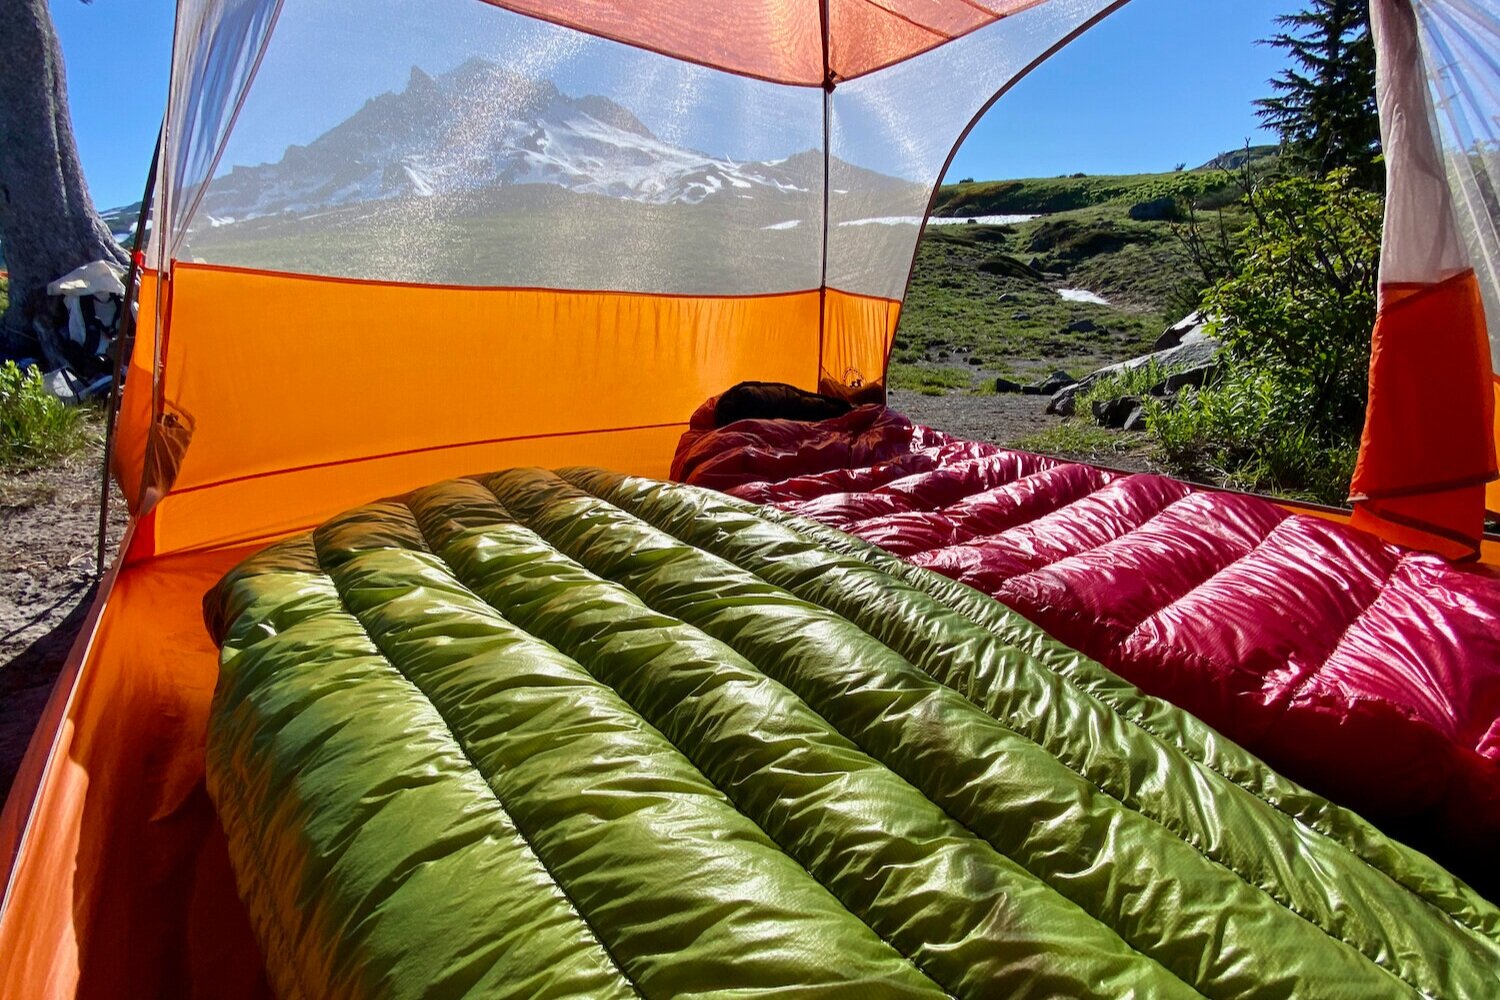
(1368, 672)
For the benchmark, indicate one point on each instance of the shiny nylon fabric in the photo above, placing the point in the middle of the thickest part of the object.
(1370, 672)
(610, 709)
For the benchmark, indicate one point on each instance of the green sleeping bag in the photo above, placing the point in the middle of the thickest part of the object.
(584, 735)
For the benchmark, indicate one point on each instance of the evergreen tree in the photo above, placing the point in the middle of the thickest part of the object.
(1324, 103)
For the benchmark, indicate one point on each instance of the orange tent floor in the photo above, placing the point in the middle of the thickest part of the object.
(118, 872)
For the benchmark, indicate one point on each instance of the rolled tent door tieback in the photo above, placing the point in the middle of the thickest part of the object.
(1427, 465)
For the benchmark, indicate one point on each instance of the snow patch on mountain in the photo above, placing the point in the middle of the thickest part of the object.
(479, 128)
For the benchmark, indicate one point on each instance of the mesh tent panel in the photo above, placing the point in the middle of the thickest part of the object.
(215, 51)
(478, 230)
(891, 134)
(456, 143)
(1461, 48)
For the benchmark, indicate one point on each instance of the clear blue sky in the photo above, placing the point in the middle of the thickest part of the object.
(1160, 82)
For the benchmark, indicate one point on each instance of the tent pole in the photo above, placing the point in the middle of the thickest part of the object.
(124, 339)
(827, 155)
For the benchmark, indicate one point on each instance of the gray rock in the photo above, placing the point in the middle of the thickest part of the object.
(1199, 349)
(1196, 377)
(1007, 386)
(1064, 402)
(1180, 331)
(1051, 384)
(1115, 412)
(1082, 326)
(1136, 421)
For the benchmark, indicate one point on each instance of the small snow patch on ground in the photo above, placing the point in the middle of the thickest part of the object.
(1083, 295)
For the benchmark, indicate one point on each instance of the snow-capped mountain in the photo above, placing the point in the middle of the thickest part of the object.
(480, 128)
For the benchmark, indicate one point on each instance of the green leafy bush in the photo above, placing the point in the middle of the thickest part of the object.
(35, 427)
(1248, 433)
(1137, 381)
(1295, 315)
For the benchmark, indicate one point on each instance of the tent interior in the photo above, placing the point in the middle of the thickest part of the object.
(584, 219)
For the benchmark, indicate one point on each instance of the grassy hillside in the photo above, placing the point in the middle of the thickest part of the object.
(984, 299)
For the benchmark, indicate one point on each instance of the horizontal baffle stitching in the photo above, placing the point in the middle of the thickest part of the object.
(463, 749)
(1214, 575)
(1307, 678)
(1273, 897)
(924, 580)
(1267, 892)
(870, 521)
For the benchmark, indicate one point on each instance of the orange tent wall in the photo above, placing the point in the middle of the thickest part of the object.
(119, 879)
(118, 872)
(301, 396)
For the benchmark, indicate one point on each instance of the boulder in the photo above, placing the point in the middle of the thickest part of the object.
(1115, 412)
(1196, 377)
(1081, 326)
(1136, 421)
(1177, 332)
(1005, 385)
(1194, 351)
(1049, 385)
(1064, 402)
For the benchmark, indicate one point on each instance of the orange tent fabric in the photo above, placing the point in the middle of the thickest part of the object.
(799, 42)
(1428, 385)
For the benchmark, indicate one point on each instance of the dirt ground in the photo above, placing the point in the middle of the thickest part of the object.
(49, 524)
(1002, 420)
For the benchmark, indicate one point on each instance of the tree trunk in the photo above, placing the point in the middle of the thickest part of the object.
(48, 224)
